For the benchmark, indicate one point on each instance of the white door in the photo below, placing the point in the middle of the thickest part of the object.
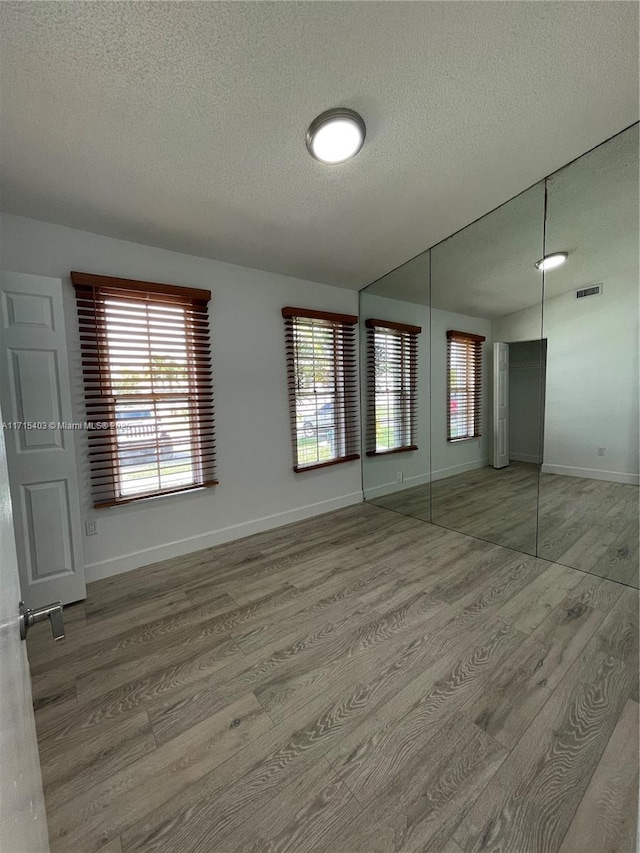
(500, 405)
(23, 823)
(35, 389)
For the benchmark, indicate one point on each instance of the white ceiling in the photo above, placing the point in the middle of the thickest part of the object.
(182, 124)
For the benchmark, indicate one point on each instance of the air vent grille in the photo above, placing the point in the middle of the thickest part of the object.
(592, 290)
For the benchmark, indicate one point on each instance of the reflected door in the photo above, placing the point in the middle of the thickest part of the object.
(500, 405)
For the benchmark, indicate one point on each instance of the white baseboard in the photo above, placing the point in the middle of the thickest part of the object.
(421, 479)
(524, 457)
(452, 470)
(592, 474)
(389, 488)
(180, 547)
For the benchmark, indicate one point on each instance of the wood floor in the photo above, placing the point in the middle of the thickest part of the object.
(587, 524)
(356, 683)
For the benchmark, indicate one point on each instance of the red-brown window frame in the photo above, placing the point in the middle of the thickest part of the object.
(342, 327)
(407, 336)
(92, 293)
(473, 391)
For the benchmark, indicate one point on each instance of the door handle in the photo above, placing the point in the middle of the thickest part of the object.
(52, 612)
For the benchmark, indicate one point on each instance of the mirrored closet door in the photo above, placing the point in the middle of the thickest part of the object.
(515, 417)
(395, 404)
(486, 381)
(588, 508)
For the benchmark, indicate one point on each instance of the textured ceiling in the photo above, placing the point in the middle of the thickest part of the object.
(182, 124)
(488, 269)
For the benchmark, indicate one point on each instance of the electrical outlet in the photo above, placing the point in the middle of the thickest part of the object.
(399, 477)
(602, 451)
(91, 526)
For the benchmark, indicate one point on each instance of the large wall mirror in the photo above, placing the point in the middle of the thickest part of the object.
(516, 418)
(482, 276)
(395, 408)
(588, 509)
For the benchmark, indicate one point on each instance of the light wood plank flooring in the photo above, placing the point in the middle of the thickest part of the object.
(590, 524)
(587, 524)
(360, 682)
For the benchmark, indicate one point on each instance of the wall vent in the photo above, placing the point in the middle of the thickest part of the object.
(592, 290)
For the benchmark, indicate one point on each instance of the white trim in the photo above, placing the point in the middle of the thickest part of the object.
(593, 474)
(389, 488)
(180, 547)
(452, 470)
(524, 457)
(421, 479)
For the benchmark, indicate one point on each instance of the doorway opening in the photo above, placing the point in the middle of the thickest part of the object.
(519, 383)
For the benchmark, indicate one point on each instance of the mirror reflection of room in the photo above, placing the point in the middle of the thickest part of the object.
(480, 484)
(527, 388)
(588, 511)
(396, 473)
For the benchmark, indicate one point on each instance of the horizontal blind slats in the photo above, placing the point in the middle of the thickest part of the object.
(392, 386)
(464, 385)
(146, 365)
(320, 357)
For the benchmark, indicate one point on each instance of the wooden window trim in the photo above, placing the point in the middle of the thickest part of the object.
(185, 294)
(408, 343)
(388, 324)
(406, 449)
(110, 334)
(157, 494)
(345, 382)
(345, 319)
(465, 336)
(474, 398)
(351, 458)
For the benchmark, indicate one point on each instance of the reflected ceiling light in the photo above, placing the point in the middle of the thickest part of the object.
(550, 262)
(336, 136)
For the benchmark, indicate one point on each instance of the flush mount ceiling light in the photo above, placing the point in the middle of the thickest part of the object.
(550, 262)
(336, 136)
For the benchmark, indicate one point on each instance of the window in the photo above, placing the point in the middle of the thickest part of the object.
(464, 385)
(148, 393)
(323, 387)
(392, 380)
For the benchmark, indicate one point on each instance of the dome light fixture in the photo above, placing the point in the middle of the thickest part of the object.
(336, 136)
(550, 262)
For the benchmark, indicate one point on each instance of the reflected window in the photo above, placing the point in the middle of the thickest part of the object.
(323, 387)
(464, 385)
(392, 379)
(148, 395)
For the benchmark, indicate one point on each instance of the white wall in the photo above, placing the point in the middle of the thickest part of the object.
(258, 488)
(524, 325)
(379, 473)
(592, 379)
(450, 458)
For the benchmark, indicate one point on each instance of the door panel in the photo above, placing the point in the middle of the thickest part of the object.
(34, 383)
(22, 816)
(29, 310)
(35, 393)
(48, 548)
